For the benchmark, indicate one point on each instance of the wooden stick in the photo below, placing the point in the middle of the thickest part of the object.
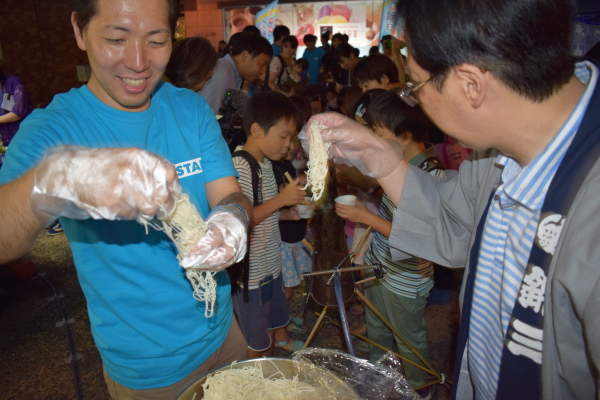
(308, 245)
(289, 178)
(361, 242)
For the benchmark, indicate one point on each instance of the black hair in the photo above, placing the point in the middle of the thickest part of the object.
(347, 98)
(325, 37)
(525, 44)
(250, 42)
(387, 110)
(292, 40)
(373, 50)
(251, 29)
(303, 63)
(86, 9)
(280, 31)
(310, 38)
(344, 50)
(340, 37)
(364, 102)
(316, 93)
(2, 76)
(304, 111)
(330, 87)
(267, 109)
(386, 37)
(374, 67)
(192, 59)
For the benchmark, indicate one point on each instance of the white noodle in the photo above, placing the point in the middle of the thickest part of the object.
(317, 164)
(185, 227)
(249, 383)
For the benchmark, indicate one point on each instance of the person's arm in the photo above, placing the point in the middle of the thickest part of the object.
(10, 117)
(274, 69)
(360, 213)
(290, 195)
(227, 191)
(398, 59)
(20, 226)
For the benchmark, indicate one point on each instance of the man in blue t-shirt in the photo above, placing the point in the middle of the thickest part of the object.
(314, 56)
(128, 147)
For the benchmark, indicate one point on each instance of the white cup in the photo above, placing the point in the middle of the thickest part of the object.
(349, 200)
(306, 210)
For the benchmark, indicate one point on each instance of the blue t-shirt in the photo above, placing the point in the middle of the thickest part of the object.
(276, 50)
(149, 329)
(314, 59)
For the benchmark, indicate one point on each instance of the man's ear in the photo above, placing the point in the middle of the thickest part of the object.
(78, 33)
(473, 83)
(256, 130)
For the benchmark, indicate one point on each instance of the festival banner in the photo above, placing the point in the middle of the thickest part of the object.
(266, 20)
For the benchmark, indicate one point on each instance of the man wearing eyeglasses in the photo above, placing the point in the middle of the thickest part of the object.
(522, 215)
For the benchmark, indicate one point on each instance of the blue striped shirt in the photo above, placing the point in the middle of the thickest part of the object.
(507, 241)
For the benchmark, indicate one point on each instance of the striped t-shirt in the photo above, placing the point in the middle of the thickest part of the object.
(410, 276)
(265, 240)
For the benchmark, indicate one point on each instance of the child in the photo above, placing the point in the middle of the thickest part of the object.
(270, 121)
(295, 257)
(401, 296)
(314, 57)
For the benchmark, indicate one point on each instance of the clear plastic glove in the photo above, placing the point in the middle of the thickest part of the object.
(104, 183)
(355, 145)
(224, 242)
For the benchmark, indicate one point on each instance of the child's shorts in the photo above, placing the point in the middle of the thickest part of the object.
(296, 260)
(266, 310)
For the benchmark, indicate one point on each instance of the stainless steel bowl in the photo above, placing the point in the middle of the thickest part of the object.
(269, 367)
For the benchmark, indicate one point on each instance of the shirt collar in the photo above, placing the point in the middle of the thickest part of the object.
(528, 185)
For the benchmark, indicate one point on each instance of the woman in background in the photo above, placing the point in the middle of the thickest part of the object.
(15, 105)
(192, 63)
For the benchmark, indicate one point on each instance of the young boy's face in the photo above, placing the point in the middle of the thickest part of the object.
(386, 133)
(276, 142)
(316, 107)
(310, 45)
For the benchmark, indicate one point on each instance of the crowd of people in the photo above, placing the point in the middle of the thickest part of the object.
(518, 215)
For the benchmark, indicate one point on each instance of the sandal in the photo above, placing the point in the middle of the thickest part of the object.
(295, 328)
(290, 344)
(298, 320)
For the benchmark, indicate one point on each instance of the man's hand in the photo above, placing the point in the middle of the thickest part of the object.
(104, 183)
(225, 241)
(354, 144)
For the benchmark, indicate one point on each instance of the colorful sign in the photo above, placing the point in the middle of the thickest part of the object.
(265, 20)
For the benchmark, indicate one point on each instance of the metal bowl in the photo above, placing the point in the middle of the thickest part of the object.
(269, 366)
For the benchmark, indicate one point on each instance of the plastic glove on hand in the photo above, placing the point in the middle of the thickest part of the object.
(104, 183)
(223, 244)
(355, 145)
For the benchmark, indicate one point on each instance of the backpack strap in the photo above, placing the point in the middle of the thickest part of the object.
(243, 267)
(432, 163)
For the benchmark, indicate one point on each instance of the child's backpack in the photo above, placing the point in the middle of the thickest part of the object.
(241, 271)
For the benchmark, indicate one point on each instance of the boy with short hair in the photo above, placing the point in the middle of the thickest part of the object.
(314, 56)
(401, 296)
(270, 121)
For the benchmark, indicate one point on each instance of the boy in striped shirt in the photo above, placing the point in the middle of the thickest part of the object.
(401, 296)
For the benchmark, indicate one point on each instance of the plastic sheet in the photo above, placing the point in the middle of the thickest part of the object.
(382, 380)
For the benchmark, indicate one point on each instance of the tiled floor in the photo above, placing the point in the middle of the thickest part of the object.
(34, 353)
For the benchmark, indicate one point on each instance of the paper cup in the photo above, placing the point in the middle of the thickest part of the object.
(349, 200)
(306, 210)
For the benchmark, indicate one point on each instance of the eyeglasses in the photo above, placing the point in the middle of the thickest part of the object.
(409, 92)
